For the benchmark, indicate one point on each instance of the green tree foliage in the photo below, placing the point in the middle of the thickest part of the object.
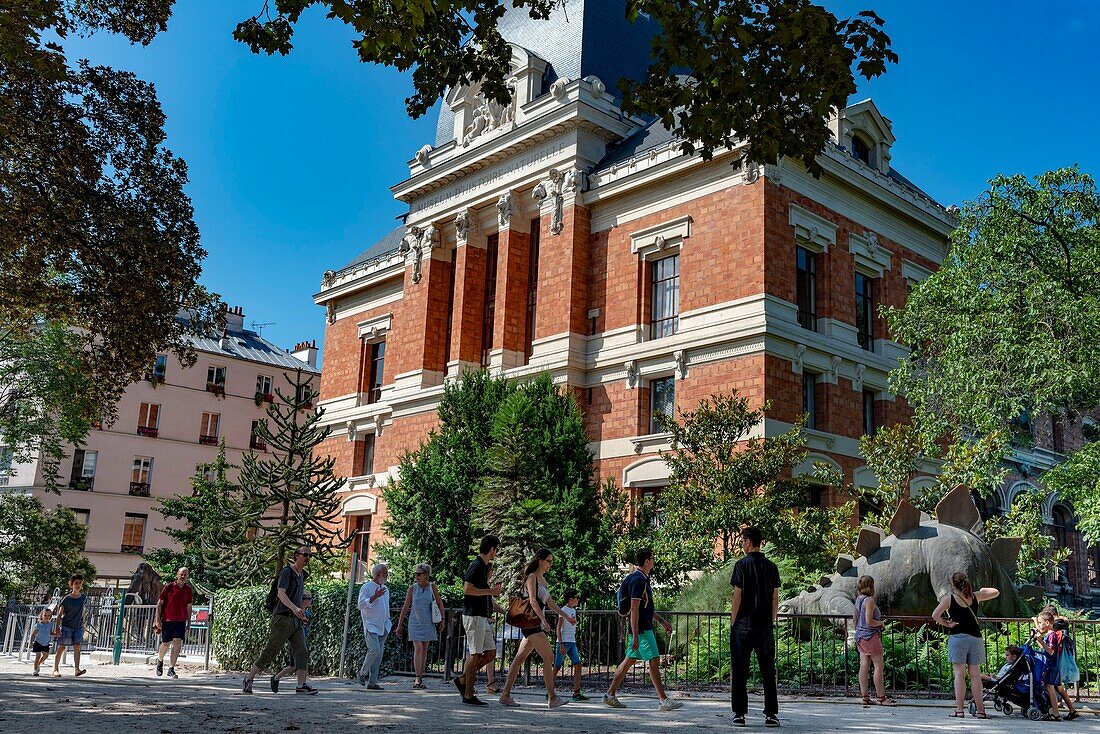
(210, 522)
(289, 495)
(39, 548)
(99, 236)
(768, 73)
(1038, 556)
(1078, 482)
(430, 506)
(721, 479)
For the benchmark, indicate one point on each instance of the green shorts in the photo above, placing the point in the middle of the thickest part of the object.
(647, 646)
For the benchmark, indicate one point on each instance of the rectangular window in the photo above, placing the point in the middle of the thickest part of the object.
(206, 471)
(160, 367)
(141, 476)
(82, 516)
(263, 387)
(650, 498)
(7, 458)
(809, 388)
(360, 545)
(869, 426)
(532, 291)
(148, 420)
(816, 495)
(366, 457)
(254, 441)
(489, 308)
(133, 533)
(664, 306)
(806, 287)
(83, 474)
(377, 371)
(208, 428)
(865, 311)
(662, 401)
(215, 376)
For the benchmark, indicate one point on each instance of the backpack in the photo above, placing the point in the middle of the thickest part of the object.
(272, 600)
(622, 597)
(1067, 663)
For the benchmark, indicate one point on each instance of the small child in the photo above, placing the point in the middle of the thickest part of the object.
(1012, 654)
(43, 630)
(307, 602)
(1051, 642)
(567, 641)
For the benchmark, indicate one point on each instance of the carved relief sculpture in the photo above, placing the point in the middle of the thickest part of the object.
(328, 279)
(505, 209)
(631, 374)
(680, 358)
(490, 115)
(551, 189)
(465, 223)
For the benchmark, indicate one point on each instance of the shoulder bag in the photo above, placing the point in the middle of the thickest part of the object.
(437, 615)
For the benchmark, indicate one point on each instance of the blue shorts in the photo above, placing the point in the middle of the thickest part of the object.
(570, 650)
(70, 636)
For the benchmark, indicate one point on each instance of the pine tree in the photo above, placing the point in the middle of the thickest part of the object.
(290, 495)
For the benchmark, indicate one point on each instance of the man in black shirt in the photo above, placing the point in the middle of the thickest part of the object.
(753, 612)
(477, 610)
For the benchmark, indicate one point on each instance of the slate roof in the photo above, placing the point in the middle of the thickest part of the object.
(388, 245)
(586, 37)
(246, 344)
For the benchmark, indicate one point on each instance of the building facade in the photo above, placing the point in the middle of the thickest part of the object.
(559, 234)
(168, 428)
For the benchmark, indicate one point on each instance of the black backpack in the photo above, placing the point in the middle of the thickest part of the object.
(622, 597)
(272, 600)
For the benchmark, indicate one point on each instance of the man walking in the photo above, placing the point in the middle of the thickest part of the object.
(374, 607)
(641, 644)
(753, 613)
(477, 610)
(172, 618)
(287, 620)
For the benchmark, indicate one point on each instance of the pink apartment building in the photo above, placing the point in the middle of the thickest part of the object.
(169, 426)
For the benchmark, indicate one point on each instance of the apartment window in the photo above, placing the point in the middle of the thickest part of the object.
(160, 367)
(664, 307)
(865, 311)
(489, 308)
(148, 420)
(806, 287)
(377, 371)
(83, 474)
(869, 426)
(366, 456)
(206, 471)
(264, 390)
(254, 440)
(662, 401)
(360, 544)
(7, 458)
(133, 533)
(215, 375)
(809, 389)
(208, 429)
(141, 476)
(532, 291)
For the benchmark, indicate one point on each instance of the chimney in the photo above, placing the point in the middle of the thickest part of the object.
(306, 352)
(234, 319)
(224, 341)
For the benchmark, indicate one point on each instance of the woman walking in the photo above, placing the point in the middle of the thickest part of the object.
(869, 627)
(965, 648)
(534, 638)
(421, 600)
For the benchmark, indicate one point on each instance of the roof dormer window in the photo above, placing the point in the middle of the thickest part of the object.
(861, 150)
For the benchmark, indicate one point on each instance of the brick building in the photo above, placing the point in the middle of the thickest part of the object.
(559, 234)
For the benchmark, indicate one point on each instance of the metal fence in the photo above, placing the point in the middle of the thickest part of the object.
(815, 654)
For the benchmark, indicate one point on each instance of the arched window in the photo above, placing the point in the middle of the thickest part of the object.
(861, 150)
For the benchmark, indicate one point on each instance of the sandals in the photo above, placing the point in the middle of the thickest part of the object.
(866, 702)
(419, 686)
(982, 715)
(958, 715)
(493, 687)
(887, 701)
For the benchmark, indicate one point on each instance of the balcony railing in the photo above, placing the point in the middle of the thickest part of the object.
(147, 432)
(82, 484)
(257, 444)
(208, 440)
(217, 388)
(139, 489)
(133, 549)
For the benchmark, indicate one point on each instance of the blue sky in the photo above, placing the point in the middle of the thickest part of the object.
(291, 159)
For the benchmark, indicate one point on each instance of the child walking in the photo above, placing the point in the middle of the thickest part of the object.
(43, 631)
(567, 641)
(869, 625)
(1051, 642)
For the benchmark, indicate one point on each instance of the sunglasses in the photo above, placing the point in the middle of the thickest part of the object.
(304, 555)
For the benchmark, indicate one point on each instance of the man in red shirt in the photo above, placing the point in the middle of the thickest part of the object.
(172, 619)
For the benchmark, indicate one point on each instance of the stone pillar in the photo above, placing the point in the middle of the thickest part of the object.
(469, 296)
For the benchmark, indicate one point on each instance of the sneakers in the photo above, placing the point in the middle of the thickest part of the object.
(578, 696)
(172, 673)
(274, 684)
(557, 703)
(473, 701)
(610, 699)
(247, 687)
(738, 719)
(771, 721)
(374, 687)
(460, 686)
(668, 704)
(306, 689)
(35, 673)
(362, 679)
(160, 668)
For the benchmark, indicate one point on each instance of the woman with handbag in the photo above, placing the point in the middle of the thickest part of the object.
(425, 619)
(965, 647)
(525, 612)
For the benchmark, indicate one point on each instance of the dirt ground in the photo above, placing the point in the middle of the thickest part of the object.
(130, 698)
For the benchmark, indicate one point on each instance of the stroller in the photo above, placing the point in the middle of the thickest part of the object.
(1021, 687)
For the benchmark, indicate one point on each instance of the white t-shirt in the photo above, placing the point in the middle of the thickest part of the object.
(376, 614)
(568, 625)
